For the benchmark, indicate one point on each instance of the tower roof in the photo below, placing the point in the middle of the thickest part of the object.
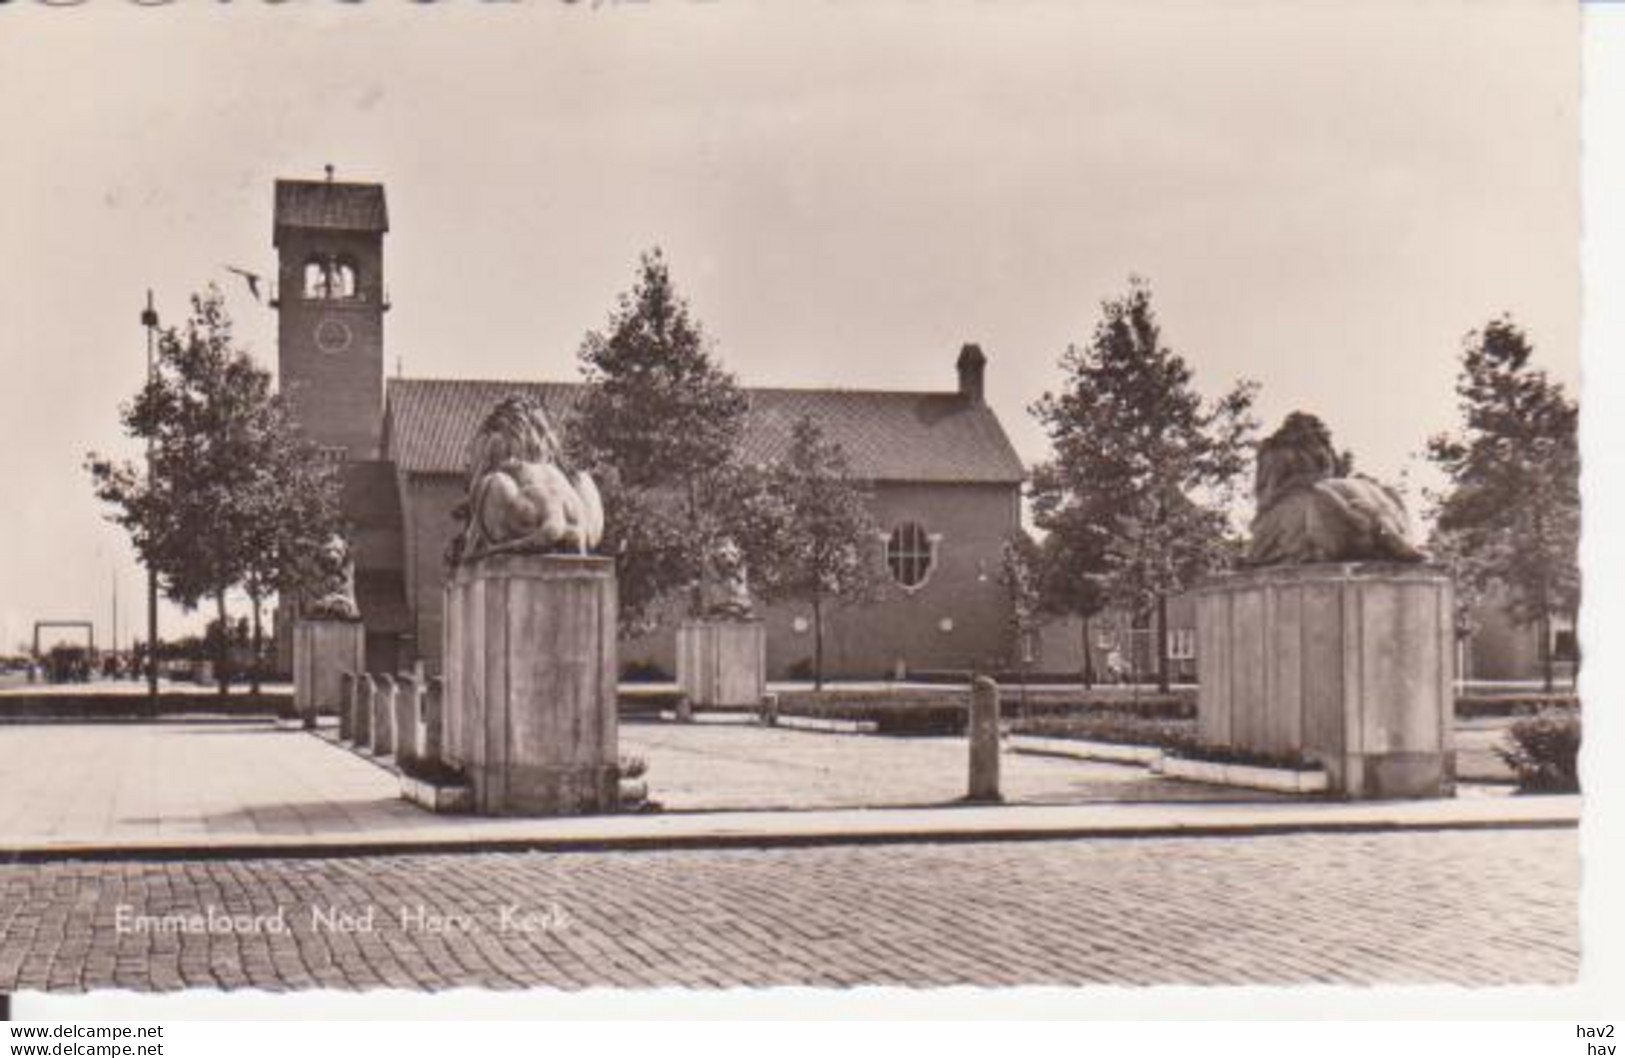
(330, 205)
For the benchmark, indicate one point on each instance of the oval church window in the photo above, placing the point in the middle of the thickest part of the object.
(909, 554)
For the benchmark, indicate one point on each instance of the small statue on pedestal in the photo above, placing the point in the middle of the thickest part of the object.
(334, 596)
(725, 586)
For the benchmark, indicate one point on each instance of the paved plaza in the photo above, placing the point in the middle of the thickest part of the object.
(1470, 908)
(743, 765)
(189, 782)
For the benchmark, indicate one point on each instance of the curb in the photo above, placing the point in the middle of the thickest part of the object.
(307, 848)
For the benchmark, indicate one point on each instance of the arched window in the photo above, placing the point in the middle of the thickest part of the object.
(343, 278)
(330, 278)
(909, 554)
(316, 278)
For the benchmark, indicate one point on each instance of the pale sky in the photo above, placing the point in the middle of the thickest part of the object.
(1325, 197)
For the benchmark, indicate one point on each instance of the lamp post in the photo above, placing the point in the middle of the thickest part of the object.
(149, 320)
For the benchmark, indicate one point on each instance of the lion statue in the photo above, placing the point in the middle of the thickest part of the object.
(725, 583)
(1311, 510)
(333, 594)
(520, 497)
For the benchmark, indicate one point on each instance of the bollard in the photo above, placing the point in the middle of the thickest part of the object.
(984, 741)
(770, 709)
(346, 706)
(429, 736)
(361, 722)
(383, 715)
(408, 705)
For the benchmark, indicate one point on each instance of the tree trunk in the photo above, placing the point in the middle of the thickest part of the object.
(222, 651)
(254, 665)
(1163, 682)
(818, 643)
(1546, 660)
(696, 595)
(1088, 658)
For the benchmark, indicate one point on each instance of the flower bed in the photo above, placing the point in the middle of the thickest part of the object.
(1085, 749)
(435, 797)
(1253, 777)
(1114, 727)
(1191, 748)
(434, 785)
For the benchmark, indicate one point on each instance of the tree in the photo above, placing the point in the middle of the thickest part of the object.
(233, 498)
(1512, 511)
(812, 533)
(1021, 561)
(1142, 463)
(659, 426)
(1071, 559)
(290, 513)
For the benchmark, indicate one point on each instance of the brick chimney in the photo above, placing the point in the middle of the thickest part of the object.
(972, 364)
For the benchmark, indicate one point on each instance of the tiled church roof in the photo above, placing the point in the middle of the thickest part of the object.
(887, 435)
(326, 204)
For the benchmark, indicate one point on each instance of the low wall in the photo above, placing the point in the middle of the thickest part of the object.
(24, 708)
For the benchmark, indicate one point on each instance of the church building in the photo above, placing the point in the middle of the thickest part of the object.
(944, 481)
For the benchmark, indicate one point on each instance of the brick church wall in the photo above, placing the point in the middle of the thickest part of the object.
(863, 642)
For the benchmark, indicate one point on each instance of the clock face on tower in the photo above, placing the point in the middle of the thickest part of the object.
(332, 335)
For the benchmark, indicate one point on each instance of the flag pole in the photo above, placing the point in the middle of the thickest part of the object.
(149, 320)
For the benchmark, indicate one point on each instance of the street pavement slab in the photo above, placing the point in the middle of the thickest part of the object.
(1473, 908)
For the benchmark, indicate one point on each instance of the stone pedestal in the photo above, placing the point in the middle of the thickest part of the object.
(323, 651)
(722, 662)
(530, 683)
(1351, 665)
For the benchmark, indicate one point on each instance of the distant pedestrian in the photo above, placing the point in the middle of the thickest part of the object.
(1116, 667)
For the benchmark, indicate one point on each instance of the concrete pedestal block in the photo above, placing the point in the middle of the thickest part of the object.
(323, 651)
(530, 683)
(383, 715)
(722, 662)
(1348, 664)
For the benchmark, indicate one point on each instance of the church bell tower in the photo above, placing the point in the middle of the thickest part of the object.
(330, 302)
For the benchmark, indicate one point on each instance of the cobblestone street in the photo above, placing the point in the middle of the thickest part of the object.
(1475, 908)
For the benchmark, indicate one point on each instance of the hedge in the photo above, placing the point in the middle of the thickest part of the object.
(647, 702)
(1470, 706)
(922, 711)
(1544, 753)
